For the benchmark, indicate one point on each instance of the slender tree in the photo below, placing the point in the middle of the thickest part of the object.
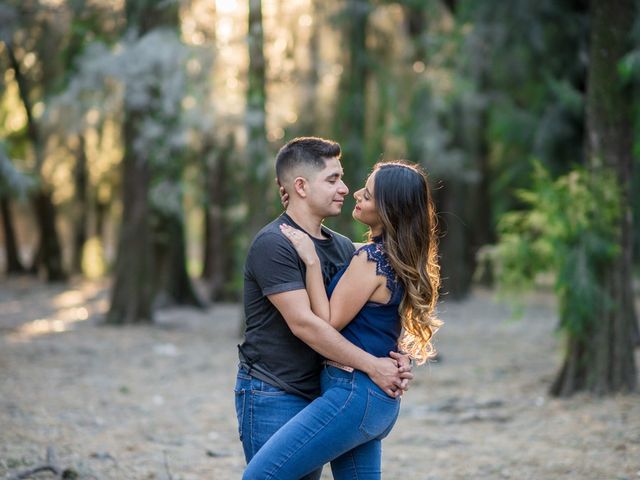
(81, 181)
(218, 246)
(350, 122)
(437, 138)
(14, 264)
(12, 184)
(49, 251)
(258, 166)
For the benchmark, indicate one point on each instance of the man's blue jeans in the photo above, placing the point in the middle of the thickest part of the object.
(345, 426)
(262, 409)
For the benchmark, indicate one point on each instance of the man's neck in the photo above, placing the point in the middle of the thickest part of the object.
(308, 221)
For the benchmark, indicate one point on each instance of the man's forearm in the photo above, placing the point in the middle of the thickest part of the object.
(329, 343)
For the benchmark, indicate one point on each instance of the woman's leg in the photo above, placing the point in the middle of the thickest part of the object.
(347, 414)
(361, 463)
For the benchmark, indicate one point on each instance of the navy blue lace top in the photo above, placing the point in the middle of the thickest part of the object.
(376, 327)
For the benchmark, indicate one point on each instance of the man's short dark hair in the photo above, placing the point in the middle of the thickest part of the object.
(306, 152)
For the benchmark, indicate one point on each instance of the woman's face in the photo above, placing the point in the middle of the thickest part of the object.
(365, 210)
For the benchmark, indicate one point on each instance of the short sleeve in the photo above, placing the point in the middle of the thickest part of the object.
(375, 253)
(274, 264)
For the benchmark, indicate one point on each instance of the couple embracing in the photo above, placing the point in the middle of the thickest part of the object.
(331, 328)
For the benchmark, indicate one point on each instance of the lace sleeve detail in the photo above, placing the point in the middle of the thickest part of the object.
(375, 253)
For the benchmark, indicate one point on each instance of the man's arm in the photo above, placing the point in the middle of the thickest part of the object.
(328, 342)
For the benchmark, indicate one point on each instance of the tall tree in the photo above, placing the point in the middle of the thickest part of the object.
(49, 252)
(602, 360)
(437, 136)
(14, 264)
(218, 245)
(132, 293)
(258, 166)
(81, 181)
(350, 122)
(13, 184)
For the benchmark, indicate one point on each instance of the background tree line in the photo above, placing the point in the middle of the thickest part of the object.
(137, 141)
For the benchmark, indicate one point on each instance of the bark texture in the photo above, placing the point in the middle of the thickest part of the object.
(602, 360)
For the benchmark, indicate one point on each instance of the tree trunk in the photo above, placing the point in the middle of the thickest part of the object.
(49, 251)
(81, 177)
(352, 102)
(259, 166)
(218, 264)
(172, 283)
(308, 112)
(454, 195)
(456, 262)
(132, 292)
(14, 265)
(602, 360)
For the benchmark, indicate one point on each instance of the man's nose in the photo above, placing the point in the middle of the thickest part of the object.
(343, 189)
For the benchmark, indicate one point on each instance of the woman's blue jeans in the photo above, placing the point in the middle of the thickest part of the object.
(345, 426)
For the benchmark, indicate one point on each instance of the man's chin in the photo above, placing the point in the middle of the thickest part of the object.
(335, 211)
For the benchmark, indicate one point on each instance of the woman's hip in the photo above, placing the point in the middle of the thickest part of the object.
(369, 409)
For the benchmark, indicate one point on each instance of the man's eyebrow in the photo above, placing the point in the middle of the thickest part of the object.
(334, 175)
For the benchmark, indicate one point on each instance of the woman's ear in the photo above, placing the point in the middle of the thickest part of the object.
(300, 186)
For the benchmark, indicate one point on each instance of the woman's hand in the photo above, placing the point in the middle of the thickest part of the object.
(302, 243)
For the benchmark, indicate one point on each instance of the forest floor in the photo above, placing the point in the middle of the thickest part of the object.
(156, 402)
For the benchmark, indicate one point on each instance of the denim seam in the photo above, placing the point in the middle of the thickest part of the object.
(253, 446)
(271, 475)
(353, 463)
(364, 416)
(242, 393)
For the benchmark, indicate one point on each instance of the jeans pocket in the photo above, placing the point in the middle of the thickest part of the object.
(380, 415)
(240, 410)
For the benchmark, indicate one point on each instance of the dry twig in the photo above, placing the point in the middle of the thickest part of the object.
(50, 465)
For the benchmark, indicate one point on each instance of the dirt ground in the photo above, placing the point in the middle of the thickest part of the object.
(156, 402)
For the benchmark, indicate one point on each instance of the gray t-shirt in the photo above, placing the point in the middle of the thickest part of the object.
(273, 266)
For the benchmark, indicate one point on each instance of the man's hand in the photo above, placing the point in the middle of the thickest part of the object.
(385, 373)
(284, 197)
(405, 367)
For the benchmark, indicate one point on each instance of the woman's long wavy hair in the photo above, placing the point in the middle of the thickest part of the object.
(403, 200)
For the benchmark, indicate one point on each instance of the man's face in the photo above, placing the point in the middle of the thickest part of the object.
(327, 190)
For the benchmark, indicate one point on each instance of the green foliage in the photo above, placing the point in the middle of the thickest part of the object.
(568, 229)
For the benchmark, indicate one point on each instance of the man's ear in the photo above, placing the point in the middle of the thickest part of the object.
(300, 186)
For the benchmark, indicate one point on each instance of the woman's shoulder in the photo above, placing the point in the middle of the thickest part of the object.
(375, 253)
(373, 250)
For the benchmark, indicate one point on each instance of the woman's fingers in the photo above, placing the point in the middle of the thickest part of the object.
(292, 233)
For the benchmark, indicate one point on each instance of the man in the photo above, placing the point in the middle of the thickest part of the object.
(285, 341)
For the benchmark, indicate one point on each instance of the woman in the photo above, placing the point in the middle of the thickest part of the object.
(383, 299)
